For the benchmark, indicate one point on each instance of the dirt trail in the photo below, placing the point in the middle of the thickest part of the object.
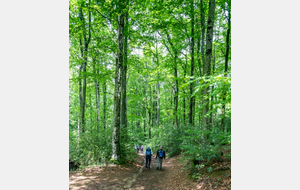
(135, 177)
(170, 177)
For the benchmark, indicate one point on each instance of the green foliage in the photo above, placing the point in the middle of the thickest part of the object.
(151, 67)
(89, 149)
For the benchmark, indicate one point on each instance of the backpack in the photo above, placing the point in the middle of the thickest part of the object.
(160, 153)
(148, 152)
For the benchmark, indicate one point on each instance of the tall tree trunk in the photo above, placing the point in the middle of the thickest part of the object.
(226, 69)
(203, 30)
(158, 103)
(117, 94)
(184, 100)
(144, 108)
(123, 85)
(202, 13)
(84, 54)
(158, 89)
(104, 104)
(207, 64)
(149, 111)
(97, 96)
(176, 93)
(91, 110)
(80, 94)
(176, 90)
(212, 91)
(192, 102)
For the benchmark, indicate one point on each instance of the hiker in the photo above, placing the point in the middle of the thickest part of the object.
(148, 154)
(137, 148)
(160, 155)
(142, 147)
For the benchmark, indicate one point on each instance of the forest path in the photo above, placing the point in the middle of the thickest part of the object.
(135, 177)
(170, 177)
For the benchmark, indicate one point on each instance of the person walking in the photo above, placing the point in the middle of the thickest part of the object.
(142, 148)
(137, 148)
(148, 154)
(160, 155)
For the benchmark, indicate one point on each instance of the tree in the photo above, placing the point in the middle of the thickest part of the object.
(207, 63)
(116, 153)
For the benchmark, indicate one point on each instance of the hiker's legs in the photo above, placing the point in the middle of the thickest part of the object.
(160, 162)
(147, 161)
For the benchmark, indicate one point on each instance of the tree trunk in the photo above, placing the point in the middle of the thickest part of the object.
(207, 64)
(104, 105)
(149, 111)
(97, 103)
(84, 52)
(176, 93)
(184, 100)
(203, 29)
(226, 69)
(117, 94)
(123, 85)
(212, 91)
(192, 102)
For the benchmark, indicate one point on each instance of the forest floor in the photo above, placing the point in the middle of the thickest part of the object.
(135, 176)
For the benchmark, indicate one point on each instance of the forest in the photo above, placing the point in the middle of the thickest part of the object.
(148, 72)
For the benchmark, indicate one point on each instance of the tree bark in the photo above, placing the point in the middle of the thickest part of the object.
(176, 90)
(192, 102)
(226, 69)
(84, 52)
(117, 94)
(123, 85)
(203, 29)
(97, 97)
(207, 64)
(104, 104)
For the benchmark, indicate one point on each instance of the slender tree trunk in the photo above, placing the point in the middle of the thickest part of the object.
(207, 64)
(184, 100)
(149, 112)
(203, 30)
(97, 104)
(144, 109)
(84, 54)
(91, 110)
(117, 94)
(80, 96)
(97, 95)
(123, 85)
(212, 91)
(104, 105)
(176, 94)
(226, 69)
(192, 102)
(202, 13)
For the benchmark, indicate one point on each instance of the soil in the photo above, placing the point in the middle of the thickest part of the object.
(173, 176)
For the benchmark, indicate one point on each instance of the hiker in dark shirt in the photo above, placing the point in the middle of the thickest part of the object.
(160, 155)
(148, 154)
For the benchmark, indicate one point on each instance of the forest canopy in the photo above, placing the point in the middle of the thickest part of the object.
(149, 72)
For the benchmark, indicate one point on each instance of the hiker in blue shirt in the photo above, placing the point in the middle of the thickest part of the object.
(137, 148)
(148, 154)
(160, 155)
